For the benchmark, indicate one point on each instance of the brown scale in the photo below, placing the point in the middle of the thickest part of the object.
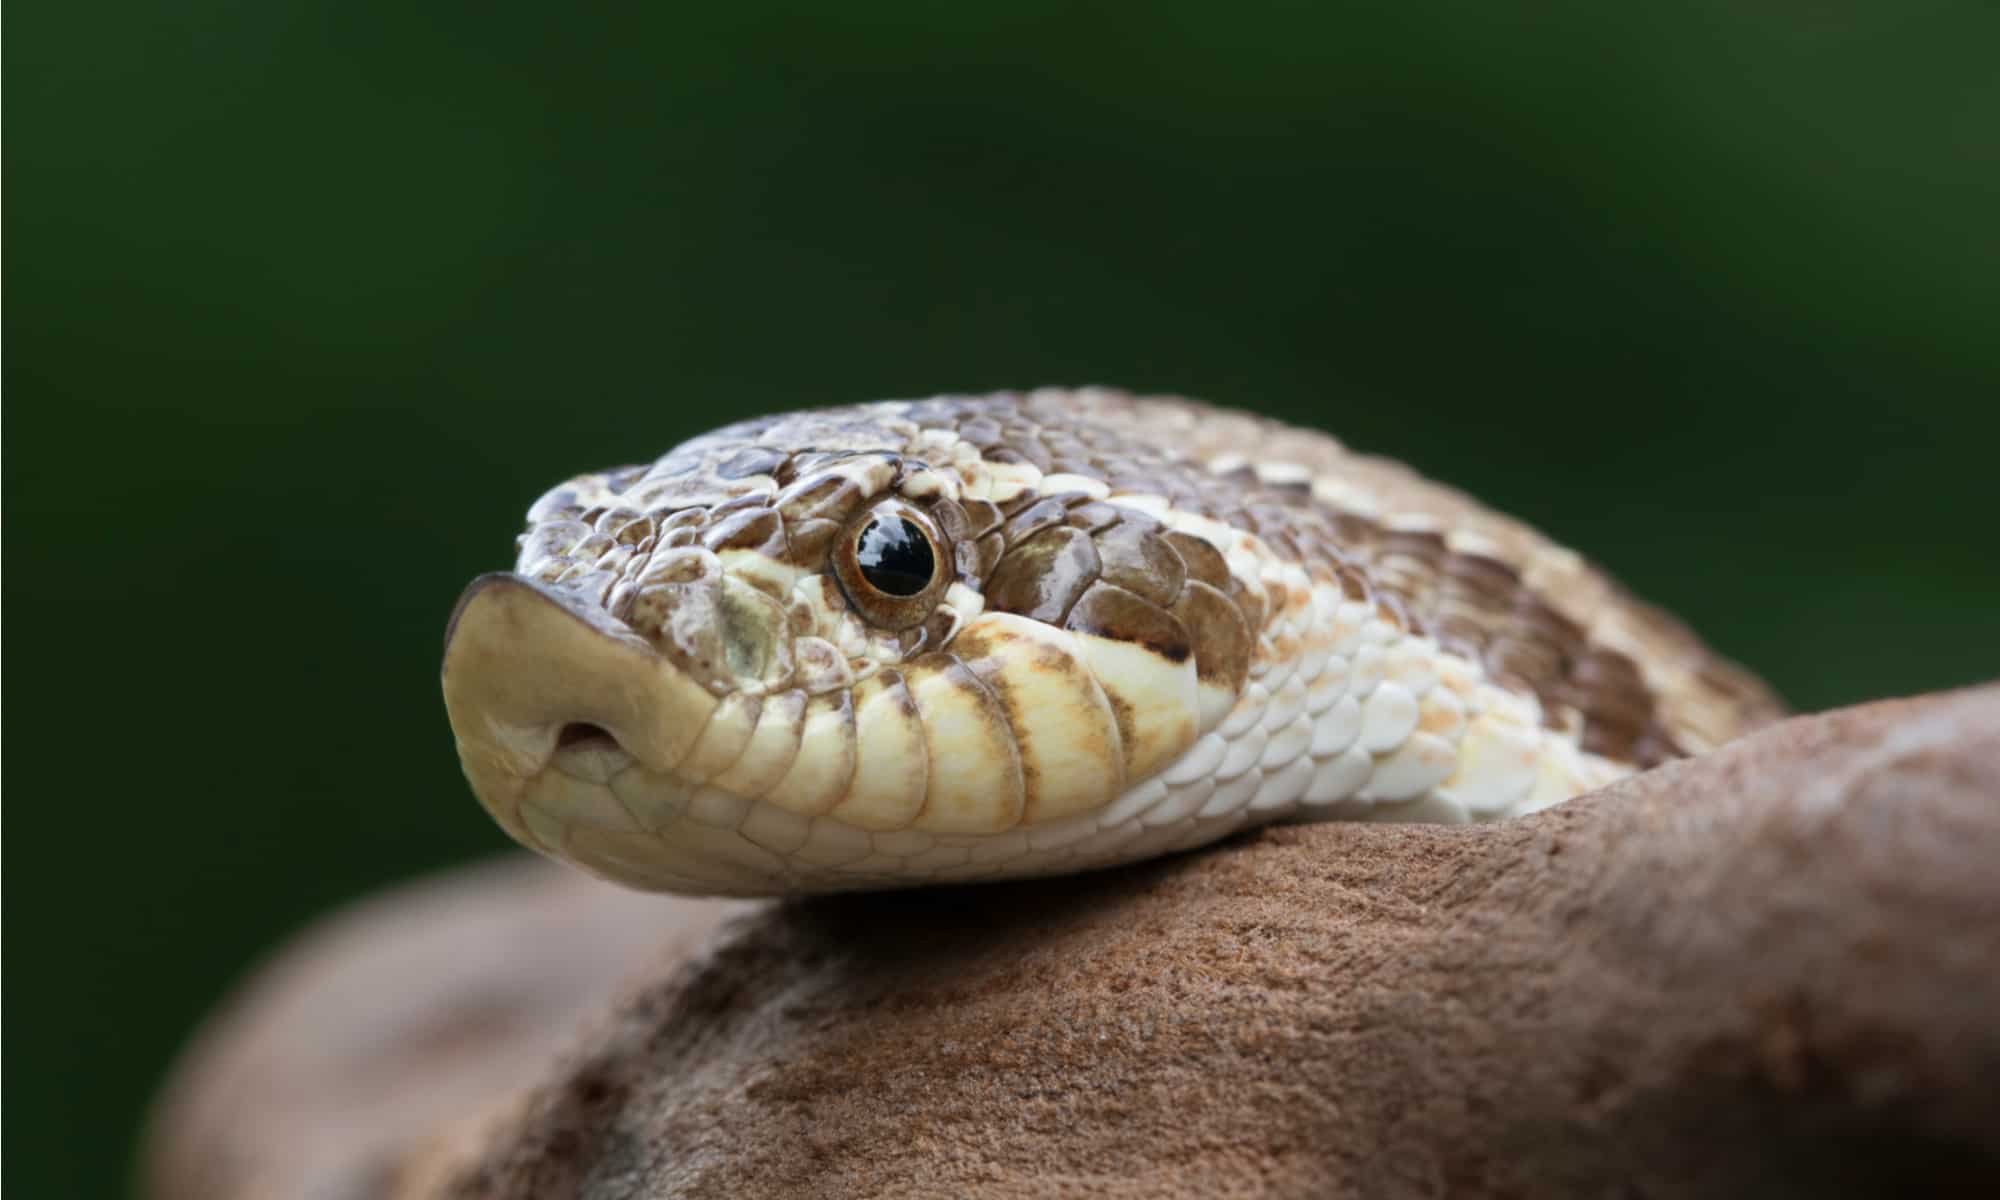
(1406, 568)
(1473, 595)
(1619, 721)
(753, 528)
(1090, 567)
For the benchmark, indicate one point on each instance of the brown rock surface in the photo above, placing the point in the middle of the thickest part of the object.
(397, 1024)
(1773, 971)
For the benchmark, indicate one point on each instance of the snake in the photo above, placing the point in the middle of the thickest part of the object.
(981, 637)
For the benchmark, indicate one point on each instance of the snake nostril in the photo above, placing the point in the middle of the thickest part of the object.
(578, 734)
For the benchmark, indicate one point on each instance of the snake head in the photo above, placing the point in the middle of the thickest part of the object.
(837, 649)
(974, 637)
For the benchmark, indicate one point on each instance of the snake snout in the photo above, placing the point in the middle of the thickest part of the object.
(533, 674)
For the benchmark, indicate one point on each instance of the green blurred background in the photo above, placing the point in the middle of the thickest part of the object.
(307, 300)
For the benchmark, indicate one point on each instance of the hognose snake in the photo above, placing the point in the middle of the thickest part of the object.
(970, 638)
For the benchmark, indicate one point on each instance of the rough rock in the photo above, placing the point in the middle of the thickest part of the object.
(397, 1025)
(1772, 971)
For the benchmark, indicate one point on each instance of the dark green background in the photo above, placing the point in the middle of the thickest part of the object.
(306, 301)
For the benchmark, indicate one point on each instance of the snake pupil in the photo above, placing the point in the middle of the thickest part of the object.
(895, 557)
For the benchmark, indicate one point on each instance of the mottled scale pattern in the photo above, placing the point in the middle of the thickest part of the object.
(1152, 622)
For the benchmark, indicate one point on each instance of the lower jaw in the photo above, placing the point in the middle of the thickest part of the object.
(598, 809)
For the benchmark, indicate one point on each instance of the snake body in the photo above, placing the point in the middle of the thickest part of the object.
(970, 638)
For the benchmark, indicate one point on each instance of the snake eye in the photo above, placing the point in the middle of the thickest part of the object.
(890, 565)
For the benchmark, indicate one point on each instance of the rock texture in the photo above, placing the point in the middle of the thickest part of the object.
(1773, 971)
(397, 1025)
